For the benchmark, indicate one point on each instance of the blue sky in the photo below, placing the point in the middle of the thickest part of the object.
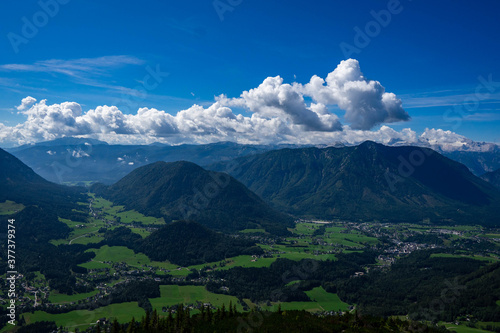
(435, 57)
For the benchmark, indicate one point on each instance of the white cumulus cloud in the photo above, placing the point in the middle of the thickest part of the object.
(276, 112)
(366, 102)
(26, 103)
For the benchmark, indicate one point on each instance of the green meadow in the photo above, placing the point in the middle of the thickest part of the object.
(321, 300)
(10, 207)
(476, 257)
(118, 213)
(173, 294)
(82, 319)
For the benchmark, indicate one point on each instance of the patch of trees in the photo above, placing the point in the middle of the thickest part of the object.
(38, 327)
(38, 225)
(320, 231)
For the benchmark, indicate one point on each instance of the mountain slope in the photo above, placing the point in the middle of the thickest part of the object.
(478, 162)
(184, 190)
(493, 178)
(367, 182)
(21, 184)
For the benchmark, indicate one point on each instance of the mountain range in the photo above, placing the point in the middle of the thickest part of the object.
(366, 182)
(77, 160)
(369, 181)
(72, 160)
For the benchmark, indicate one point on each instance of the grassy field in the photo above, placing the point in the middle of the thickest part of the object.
(95, 265)
(83, 233)
(114, 213)
(477, 257)
(253, 231)
(336, 234)
(492, 235)
(10, 207)
(82, 319)
(117, 254)
(320, 301)
(327, 301)
(246, 261)
(462, 328)
(305, 228)
(173, 294)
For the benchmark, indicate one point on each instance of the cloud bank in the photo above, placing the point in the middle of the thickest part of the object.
(274, 112)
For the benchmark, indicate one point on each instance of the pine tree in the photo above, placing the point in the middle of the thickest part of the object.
(209, 314)
(154, 319)
(116, 327)
(223, 311)
(202, 312)
(217, 315)
(179, 316)
(146, 322)
(132, 327)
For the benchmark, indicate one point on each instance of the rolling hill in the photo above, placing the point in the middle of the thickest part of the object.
(184, 190)
(369, 182)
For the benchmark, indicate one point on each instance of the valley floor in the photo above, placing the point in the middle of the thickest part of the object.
(323, 241)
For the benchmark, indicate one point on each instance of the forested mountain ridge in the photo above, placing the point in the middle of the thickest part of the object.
(369, 182)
